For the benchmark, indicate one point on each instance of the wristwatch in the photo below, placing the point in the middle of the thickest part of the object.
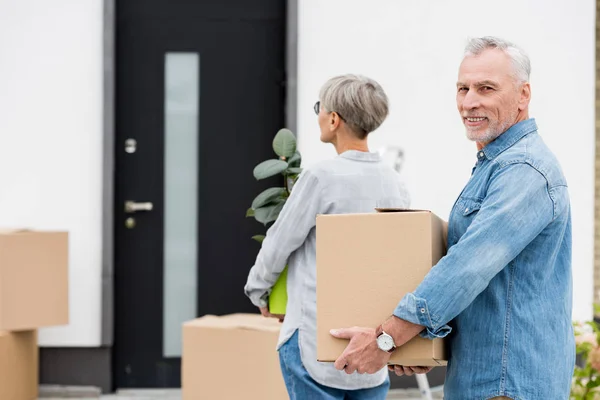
(385, 342)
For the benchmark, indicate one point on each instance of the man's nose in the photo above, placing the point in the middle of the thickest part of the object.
(471, 100)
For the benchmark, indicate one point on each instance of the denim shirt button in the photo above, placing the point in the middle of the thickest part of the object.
(422, 311)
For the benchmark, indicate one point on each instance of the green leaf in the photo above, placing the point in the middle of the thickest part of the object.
(250, 212)
(593, 383)
(268, 196)
(269, 213)
(284, 143)
(276, 211)
(294, 170)
(295, 160)
(269, 168)
(259, 238)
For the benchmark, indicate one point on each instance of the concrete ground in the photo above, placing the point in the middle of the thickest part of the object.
(78, 393)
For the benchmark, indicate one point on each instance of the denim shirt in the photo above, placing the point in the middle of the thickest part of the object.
(504, 288)
(353, 182)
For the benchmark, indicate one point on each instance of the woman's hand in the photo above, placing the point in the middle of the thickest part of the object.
(265, 313)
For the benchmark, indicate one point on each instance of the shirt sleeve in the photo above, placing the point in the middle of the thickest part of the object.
(517, 207)
(287, 234)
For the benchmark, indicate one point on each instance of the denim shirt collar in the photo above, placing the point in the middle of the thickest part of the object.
(508, 138)
(361, 156)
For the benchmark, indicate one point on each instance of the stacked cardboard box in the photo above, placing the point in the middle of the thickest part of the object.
(231, 357)
(33, 294)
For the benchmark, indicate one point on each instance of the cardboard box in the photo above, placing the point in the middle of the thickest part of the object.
(33, 279)
(231, 357)
(18, 365)
(366, 263)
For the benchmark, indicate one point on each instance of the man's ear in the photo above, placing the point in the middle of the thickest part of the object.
(525, 96)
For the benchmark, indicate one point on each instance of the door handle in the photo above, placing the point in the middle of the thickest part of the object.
(132, 207)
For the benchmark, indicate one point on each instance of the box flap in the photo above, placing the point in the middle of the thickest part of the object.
(236, 321)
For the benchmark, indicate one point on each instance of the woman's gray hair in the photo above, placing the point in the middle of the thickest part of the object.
(520, 60)
(358, 100)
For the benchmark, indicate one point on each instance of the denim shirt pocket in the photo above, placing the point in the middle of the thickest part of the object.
(470, 206)
(463, 213)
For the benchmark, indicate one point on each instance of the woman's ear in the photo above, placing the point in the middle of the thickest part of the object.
(334, 121)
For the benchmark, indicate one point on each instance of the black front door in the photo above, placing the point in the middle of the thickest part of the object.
(200, 95)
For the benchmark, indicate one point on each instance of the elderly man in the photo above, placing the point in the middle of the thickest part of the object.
(504, 288)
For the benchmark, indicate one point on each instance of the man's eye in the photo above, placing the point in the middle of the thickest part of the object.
(463, 89)
(487, 88)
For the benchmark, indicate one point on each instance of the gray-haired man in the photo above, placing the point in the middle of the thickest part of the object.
(504, 288)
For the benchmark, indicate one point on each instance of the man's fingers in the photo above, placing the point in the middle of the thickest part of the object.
(345, 333)
(408, 371)
(340, 363)
(398, 370)
(421, 370)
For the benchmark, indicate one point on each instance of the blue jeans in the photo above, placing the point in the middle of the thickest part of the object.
(301, 386)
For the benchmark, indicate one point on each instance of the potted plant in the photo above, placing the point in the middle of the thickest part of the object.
(269, 203)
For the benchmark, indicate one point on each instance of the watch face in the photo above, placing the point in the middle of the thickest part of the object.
(385, 342)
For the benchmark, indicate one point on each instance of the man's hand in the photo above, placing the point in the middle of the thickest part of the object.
(265, 313)
(362, 354)
(408, 371)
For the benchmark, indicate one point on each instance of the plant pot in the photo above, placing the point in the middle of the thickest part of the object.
(278, 296)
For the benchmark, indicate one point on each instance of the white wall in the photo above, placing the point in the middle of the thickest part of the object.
(414, 48)
(51, 141)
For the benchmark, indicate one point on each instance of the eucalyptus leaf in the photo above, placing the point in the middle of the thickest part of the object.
(268, 196)
(294, 170)
(295, 160)
(269, 168)
(268, 213)
(259, 238)
(250, 212)
(261, 214)
(284, 143)
(275, 212)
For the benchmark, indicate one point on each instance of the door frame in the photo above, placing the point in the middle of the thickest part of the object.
(109, 151)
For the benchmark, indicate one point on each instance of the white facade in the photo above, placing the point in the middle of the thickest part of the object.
(51, 141)
(414, 49)
(51, 130)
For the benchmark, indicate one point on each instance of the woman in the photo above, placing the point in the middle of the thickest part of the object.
(356, 181)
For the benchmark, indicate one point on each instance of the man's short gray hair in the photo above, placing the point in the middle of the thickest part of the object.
(520, 60)
(359, 101)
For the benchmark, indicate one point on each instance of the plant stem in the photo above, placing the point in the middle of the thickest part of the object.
(285, 183)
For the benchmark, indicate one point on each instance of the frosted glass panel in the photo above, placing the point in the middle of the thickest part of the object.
(182, 72)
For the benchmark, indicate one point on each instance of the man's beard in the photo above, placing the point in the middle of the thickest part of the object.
(494, 129)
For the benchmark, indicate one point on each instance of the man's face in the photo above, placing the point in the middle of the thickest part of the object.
(488, 96)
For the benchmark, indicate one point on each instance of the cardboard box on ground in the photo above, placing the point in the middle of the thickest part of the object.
(18, 365)
(33, 294)
(366, 263)
(231, 357)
